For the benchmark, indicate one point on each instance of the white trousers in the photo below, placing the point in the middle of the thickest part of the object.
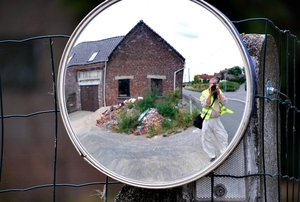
(214, 134)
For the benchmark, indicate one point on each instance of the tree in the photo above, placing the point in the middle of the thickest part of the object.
(196, 79)
(236, 70)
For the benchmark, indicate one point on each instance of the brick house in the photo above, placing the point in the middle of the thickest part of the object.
(106, 72)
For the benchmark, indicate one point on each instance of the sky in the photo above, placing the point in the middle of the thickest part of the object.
(194, 31)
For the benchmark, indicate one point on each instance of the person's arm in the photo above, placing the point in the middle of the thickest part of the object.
(208, 99)
(222, 99)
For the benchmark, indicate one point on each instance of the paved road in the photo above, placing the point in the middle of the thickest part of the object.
(156, 161)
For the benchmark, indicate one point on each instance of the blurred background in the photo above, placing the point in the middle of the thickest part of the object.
(27, 87)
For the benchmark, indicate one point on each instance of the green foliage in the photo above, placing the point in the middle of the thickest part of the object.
(128, 121)
(229, 86)
(196, 79)
(175, 118)
(238, 79)
(152, 132)
(199, 87)
(130, 105)
(166, 124)
(167, 109)
(185, 119)
(167, 105)
(70, 96)
(148, 100)
(173, 97)
(236, 70)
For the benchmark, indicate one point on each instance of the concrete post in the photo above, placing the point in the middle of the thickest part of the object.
(264, 130)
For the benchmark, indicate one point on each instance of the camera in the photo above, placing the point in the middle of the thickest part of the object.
(213, 87)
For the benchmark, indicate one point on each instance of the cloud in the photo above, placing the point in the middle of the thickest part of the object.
(191, 29)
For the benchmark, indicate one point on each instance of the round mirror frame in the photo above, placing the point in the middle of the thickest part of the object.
(250, 82)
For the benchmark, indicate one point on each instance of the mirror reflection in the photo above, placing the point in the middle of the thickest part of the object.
(124, 96)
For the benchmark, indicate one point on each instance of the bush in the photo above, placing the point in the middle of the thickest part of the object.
(166, 124)
(167, 109)
(128, 121)
(229, 86)
(185, 119)
(238, 80)
(148, 100)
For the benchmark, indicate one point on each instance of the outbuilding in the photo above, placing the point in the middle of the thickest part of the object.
(108, 71)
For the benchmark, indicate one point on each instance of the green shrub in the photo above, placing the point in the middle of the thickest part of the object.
(238, 80)
(185, 119)
(200, 87)
(127, 122)
(166, 124)
(167, 109)
(148, 100)
(229, 86)
(130, 105)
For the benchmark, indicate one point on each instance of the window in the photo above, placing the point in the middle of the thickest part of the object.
(92, 56)
(124, 88)
(157, 83)
(92, 77)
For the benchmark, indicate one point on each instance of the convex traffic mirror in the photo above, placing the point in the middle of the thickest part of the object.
(121, 52)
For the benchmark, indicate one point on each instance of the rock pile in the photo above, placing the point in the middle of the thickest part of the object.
(148, 120)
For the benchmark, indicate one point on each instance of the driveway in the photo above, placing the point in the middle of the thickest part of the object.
(154, 160)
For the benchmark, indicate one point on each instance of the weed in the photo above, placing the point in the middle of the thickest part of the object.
(148, 100)
(127, 122)
(167, 109)
(152, 132)
(130, 105)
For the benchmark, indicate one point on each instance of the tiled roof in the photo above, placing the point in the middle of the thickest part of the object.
(83, 51)
(205, 76)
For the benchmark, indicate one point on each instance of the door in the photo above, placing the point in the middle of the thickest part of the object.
(89, 98)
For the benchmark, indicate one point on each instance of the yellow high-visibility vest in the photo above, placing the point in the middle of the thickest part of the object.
(205, 110)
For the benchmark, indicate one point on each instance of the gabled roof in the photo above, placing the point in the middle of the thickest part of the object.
(141, 23)
(83, 51)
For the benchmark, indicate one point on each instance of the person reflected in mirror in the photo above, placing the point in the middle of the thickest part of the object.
(213, 104)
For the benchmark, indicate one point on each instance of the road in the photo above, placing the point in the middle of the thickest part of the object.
(149, 161)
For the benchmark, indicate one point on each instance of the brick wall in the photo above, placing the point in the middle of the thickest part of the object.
(72, 86)
(142, 53)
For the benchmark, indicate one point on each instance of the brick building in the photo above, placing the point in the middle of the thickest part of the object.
(106, 72)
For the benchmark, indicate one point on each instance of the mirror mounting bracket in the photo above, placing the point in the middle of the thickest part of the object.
(270, 90)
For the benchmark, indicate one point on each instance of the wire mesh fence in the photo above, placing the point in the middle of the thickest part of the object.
(38, 161)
